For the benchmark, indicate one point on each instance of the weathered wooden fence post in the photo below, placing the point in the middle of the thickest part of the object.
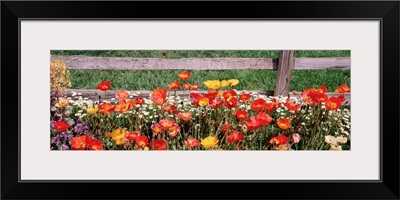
(285, 67)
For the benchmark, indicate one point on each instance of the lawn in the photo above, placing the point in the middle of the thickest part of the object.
(249, 79)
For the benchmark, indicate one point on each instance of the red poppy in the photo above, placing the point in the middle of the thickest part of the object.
(278, 140)
(283, 123)
(61, 126)
(158, 144)
(342, 89)
(171, 108)
(212, 92)
(258, 104)
(195, 102)
(185, 116)
(263, 118)
(270, 107)
(244, 97)
(94, 144)
(231, 103)
(132, 136)
(141, 141)
(173, 131)
(192, 142)
(104, 86)
(334, 103)
(174, 85)
(80, 143)
(227, 127)
(241, 115)
(106, 108)
(229, 94)
(216, 103)
(157, 129)
(210, 97)
(252, 123)
(184, 75)
(139, 100)
(166, 124)
(292, 106)
(234, 137)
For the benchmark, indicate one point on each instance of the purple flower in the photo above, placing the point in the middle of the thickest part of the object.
(80, 128)
(52, 122)
(55, 140)
(64, 136)
(64, 147)
(98, 132)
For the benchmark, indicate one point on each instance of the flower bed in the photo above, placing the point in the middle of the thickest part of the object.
(221, 118)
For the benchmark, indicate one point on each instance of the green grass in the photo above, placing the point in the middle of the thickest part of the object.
(249, 79)
(200, 53)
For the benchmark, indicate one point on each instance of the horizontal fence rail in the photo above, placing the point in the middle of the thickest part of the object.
(122, 63)
(94, 94)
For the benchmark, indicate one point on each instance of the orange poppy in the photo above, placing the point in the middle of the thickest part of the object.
(283, 123)
(184, 75)
(334, 103)
(174, 85)
(160, 99)
(121, 95)
(185, 116)
(106, 108)
(123, 106)
(342, 89)
(80, 143)
(158, 91)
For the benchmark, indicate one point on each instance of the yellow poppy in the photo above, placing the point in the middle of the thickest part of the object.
(233, 82)
(224, 83)
(92, 110)
(213, 84)
(209, 142)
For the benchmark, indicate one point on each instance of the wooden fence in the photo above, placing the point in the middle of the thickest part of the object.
(284, 66)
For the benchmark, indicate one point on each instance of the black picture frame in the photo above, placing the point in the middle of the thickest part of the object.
(386, 11)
